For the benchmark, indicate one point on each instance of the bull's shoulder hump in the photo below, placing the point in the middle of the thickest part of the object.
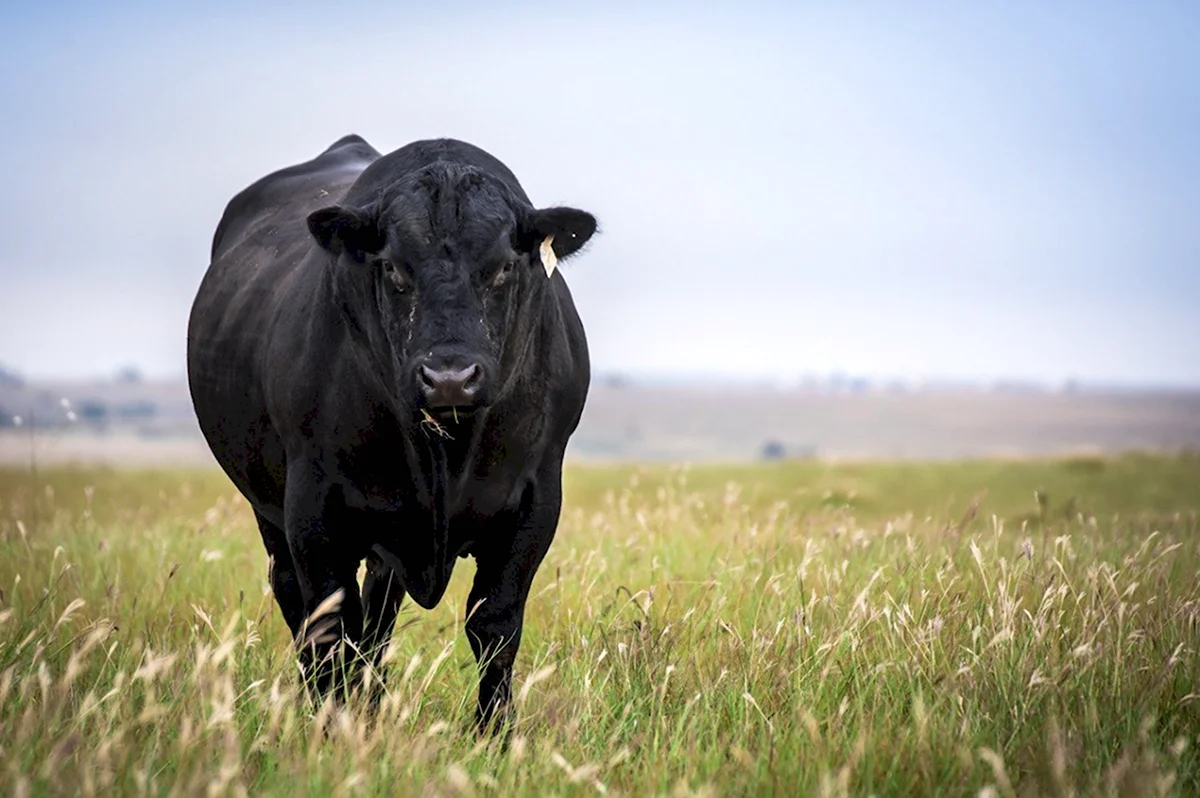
(334, 167)
(352, 141)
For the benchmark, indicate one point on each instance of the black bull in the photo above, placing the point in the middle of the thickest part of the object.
(387, 364)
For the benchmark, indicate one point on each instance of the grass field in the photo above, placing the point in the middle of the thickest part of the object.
(1016, 628)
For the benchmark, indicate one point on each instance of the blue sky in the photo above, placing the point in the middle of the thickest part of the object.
(969, 190)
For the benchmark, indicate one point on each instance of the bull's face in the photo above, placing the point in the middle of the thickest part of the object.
(446, 275)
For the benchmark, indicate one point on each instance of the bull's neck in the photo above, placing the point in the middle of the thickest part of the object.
(362, 339)
(530, 343)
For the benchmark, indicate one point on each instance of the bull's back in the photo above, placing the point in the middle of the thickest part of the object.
(258, 245)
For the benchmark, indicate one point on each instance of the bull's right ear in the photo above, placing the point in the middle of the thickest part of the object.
(568, 229)
(340, 229)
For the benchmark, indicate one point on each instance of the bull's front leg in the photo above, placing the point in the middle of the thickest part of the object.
(324, 565)
(382, 594)
(496, 607)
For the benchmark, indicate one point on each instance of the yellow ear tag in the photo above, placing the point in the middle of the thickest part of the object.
(549, 260)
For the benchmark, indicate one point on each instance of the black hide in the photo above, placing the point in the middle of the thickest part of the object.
(380, 363)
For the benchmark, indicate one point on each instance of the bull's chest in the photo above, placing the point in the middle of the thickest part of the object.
(420, 544)
(396, 516)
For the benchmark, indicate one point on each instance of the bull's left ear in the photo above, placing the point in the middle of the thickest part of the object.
(341, 229)
(570, 227)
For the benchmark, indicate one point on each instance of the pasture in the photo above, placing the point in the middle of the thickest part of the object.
(1010, 628)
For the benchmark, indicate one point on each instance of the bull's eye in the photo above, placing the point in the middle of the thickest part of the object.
(396, 276)
(505, 271)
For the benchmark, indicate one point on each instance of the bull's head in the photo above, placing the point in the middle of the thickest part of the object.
(442, 276)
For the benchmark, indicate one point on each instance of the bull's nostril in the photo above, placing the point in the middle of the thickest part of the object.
(471, 383)
(451, 387)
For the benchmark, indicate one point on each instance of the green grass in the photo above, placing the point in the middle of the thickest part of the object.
(1017, 628)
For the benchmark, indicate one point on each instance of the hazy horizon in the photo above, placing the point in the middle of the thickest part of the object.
(699, 380)
(1000, 191)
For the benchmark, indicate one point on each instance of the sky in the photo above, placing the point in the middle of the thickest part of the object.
(974, 191)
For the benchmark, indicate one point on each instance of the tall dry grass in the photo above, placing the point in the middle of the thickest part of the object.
(688, 634)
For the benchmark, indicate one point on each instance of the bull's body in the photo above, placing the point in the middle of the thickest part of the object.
(307, 409)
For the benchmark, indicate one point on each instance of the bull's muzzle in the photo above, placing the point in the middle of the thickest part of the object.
(446, 388)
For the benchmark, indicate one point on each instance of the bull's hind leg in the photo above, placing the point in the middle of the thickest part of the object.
(382, 595)
(282, 574)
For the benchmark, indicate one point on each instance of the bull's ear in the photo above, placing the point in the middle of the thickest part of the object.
(570, 227)
(340, 229)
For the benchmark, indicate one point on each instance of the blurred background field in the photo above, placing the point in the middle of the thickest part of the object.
(128, 420)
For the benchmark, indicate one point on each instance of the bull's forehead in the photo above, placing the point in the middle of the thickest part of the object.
(449, 213)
